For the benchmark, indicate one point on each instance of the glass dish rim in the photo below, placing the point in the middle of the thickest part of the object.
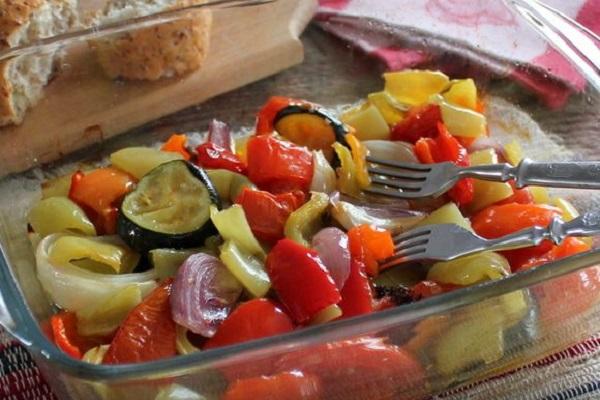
(28, 332)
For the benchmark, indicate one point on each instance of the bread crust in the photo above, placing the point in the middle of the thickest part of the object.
(165, 50)
(13, 15)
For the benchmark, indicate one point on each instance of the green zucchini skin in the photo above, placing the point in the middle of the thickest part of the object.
(339, 129)
(142, 239)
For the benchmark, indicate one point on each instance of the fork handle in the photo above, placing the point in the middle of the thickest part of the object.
(587, 224)
(575, 175)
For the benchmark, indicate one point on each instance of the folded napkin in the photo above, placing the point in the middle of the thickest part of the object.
(483, 30)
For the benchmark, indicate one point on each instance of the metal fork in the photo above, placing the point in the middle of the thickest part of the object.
(413, 180)
(445, 242)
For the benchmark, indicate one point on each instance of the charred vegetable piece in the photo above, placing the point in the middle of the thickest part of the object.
(169, 208)
(310, 126)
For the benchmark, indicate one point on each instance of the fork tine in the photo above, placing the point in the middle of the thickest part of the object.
(399, 164)
(392, 192)
(401, 258)
(411, 234)
(401, 184)
(398, 173)
(414, 242)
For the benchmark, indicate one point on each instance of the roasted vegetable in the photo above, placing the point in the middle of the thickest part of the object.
(487, 193)
(99, 193)
(148, 332)
(247, 268)
(138, 161)
(357, 296)
(267, 213)
(59, 214)
(368, 123)
(169, 208)
(166, 262)
(104, 318)
(213, 156)
(300, 280)
(369, 245)
(228, 184)
(277, 166)
(176, 144)
(447, 214)
(391, 112)
(303, 223)
(310, 126)
(232, 224)
(203, 294)
(414, 87)
(463, 122)
(74, 288)
(462, 93)
(324, 179)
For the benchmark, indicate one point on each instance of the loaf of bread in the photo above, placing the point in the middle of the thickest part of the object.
(160, 51)
(22, 79)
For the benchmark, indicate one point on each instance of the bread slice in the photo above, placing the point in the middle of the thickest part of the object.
(22, 79)
(160, 51)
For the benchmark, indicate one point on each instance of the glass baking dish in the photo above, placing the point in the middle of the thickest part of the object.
(459, 337)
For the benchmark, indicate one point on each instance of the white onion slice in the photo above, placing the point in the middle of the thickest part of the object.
(324, 178)
(391, 150)
(203, 294)
(332, 245)
(75, 288)
(349, 215)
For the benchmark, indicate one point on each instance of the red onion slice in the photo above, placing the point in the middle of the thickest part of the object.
(219, 133)
(332, 246)
(203, 294)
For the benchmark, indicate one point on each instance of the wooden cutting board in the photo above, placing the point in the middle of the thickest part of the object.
(81, 106)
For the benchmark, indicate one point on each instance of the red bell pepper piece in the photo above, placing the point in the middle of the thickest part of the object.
(254, 319)
(267, 213)
(500, 220)
(99, 193)
(265, 122)
(369, 245)
(420, 122)
(569, 295)
(446, 147)
(277, 166)
(358, 369)
(64, 334)
(213, 156)
(176, 144)
(148, 332)
(284, 386)
(300, 280)
(521, 196)
(357, 297)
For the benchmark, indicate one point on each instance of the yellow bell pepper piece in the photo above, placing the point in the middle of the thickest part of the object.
(382, 101)
(304, 222)
(469, 270)
(463, 121)
(486, 192)
(359, 156)
(347, 182)
(462, 93)
(368, 123)
(446, 214)
(513, 152)
(414, 87)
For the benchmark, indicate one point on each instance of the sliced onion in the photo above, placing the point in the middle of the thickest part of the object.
(485, 142)
(332, 246)
(324, 178)
(219, 133)
(75, 288)
(349, 215)
(391, 150)
(203, 294)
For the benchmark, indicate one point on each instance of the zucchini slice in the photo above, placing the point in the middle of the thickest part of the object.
(169, 208)
(313, 127)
